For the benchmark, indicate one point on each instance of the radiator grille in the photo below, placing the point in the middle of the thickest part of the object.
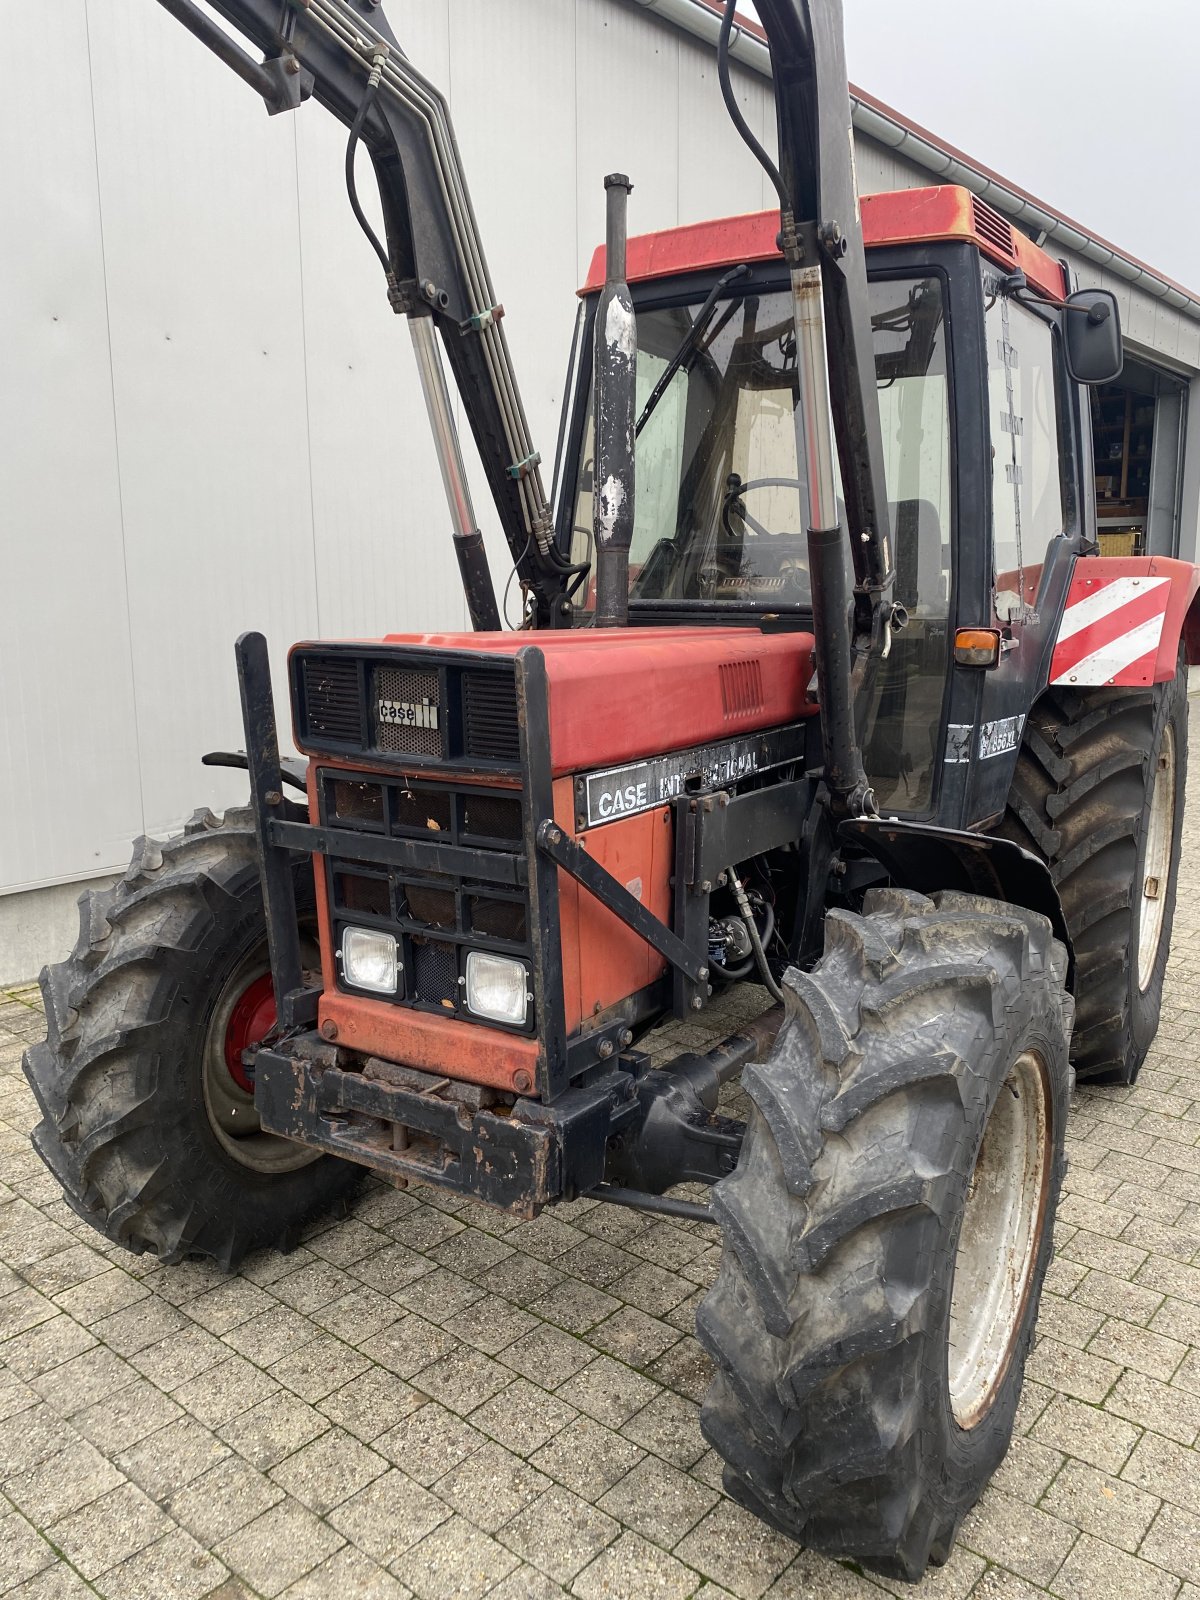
(436, 977)
(490, 716)
(492, 816)
(358, 802)
(434, 907)
(413, 695)
(741, 688)
(501, 919)
(435, 915)
(422, 810)
(366, 896)
(333, 699)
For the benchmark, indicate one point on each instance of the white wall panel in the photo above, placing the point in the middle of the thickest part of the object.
(514, 109)
(718, 176)
(66, 686)
(198, 195)
(210, 417)
(626, 120)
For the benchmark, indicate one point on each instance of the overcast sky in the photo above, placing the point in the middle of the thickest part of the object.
(1091, 107)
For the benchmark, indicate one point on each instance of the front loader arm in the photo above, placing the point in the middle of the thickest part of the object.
(837, 414)
(816, 162)
(340, 52)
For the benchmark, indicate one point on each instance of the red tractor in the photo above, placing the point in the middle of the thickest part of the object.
(822, 686)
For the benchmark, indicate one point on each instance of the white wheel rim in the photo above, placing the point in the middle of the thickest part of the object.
(1156, 867)
(998, 1242)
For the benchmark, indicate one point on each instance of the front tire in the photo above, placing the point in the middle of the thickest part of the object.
(148, 1117)
(888, 1227)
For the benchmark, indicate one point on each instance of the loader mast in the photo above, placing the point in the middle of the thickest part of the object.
(822, 243)
(344, 55)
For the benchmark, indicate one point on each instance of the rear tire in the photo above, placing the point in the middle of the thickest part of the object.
(145, 1123)
(888, 1227)
(1092, 797)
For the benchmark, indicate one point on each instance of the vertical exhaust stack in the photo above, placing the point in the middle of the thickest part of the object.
(614, 377)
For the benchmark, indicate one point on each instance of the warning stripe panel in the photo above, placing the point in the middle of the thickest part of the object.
(1110, 632)
(1105, 597)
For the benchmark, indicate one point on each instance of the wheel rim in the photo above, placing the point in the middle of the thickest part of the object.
(998, 1242)
(1156, 867)
(244, 1014)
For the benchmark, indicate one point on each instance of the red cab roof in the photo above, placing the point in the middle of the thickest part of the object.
(904, 216)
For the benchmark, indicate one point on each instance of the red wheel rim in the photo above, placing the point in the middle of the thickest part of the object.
(252, 1019)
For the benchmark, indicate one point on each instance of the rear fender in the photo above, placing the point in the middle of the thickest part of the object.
(1123, 622)
(919, 856)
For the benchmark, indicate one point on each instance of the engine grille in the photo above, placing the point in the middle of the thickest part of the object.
(357, 892)
(427, 707)
(333, 699)
(492, 816)
(741, 688)
(435, 916)
(435, 977)
(408, 714)
(490, 716)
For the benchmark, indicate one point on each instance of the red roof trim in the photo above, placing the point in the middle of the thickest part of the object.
(905, 216)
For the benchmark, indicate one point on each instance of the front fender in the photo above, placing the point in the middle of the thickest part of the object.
(919, 856)
(1123, 621)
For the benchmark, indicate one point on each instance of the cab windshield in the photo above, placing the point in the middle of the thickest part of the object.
(718, 496)
(718, 518)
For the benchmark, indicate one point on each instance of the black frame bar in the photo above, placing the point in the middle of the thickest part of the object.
(533, 721)
(294, 1003)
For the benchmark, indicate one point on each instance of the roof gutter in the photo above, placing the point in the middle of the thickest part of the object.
(702, 21)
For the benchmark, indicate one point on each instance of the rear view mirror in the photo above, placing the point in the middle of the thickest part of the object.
(1092, 328)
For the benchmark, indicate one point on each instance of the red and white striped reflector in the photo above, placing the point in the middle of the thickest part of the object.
(1110, 631)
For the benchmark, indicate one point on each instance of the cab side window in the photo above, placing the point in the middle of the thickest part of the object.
(1029, 503)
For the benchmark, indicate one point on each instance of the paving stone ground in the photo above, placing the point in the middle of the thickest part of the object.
(430, 1399)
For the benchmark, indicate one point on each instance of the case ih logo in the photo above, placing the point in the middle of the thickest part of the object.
(409, 713)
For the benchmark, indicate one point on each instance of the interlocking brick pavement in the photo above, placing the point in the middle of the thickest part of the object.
(430, 1399)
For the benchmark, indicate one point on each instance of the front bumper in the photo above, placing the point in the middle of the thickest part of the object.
(417, 1127)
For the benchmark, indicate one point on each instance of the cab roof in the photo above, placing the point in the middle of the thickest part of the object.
(903, 216)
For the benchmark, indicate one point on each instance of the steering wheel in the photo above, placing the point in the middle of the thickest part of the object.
(731, 503)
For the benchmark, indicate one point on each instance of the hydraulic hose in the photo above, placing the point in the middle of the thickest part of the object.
(760, 955)
(356, 128)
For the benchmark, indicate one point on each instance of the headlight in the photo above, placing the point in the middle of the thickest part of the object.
(496, 988)
(369, 960)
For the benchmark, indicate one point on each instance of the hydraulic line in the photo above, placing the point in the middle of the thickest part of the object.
(400, 79)
(760, 955)
(356, 127)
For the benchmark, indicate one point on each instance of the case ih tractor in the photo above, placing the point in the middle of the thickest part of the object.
(822, 686)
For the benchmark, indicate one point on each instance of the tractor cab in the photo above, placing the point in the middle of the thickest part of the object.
(984, 436)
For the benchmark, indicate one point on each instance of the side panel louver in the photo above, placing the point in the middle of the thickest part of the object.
(490, 716)
(333, 700)
(741, 688)
(990, 225)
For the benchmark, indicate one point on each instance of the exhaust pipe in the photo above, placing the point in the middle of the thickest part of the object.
(614, 405)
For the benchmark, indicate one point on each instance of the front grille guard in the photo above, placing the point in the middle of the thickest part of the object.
(708, 836)
(280, 837)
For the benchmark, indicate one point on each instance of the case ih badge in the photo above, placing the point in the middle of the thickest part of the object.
(409, 713)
